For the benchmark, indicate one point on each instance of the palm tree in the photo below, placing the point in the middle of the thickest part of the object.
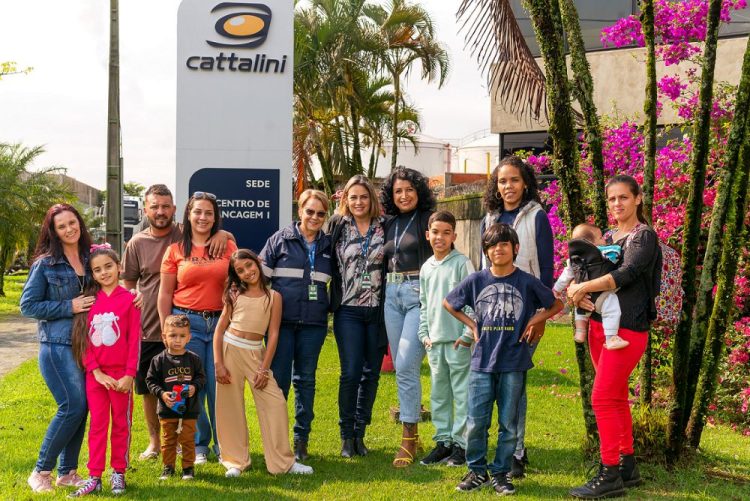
(678, 412)
(407, 35)
(25, 196)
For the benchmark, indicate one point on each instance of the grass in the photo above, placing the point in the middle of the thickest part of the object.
(13, 287)
(554, 438)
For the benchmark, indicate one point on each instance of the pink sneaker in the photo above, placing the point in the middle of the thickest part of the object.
(70, 479)
(40, 481)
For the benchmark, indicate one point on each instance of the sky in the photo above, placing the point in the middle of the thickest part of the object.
(62, 103)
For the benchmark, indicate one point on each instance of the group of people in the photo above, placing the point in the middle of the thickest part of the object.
(195, 318)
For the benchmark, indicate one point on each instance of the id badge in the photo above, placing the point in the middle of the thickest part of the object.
(366, 281)
(312, 292)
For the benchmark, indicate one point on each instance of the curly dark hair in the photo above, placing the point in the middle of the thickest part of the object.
(492, 201)
(425, 197)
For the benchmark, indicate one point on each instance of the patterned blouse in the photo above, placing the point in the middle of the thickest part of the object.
(360, 260)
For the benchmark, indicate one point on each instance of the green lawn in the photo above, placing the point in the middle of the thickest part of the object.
(13, 287)
(554, 436)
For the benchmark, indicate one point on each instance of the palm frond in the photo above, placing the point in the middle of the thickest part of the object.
(494, 38)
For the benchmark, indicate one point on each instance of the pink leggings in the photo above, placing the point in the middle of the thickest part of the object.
(106, 405)
(610, 394)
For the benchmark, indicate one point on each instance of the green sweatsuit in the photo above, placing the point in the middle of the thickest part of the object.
(449, 367)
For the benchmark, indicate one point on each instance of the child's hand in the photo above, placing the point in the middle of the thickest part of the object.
(533, 333)
(460, 342)
(107, 381)
(427, 343)
(125, 384)
(261, 379)
(222, 375)
(167, 398)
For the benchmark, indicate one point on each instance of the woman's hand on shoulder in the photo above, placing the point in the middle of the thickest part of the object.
(82, 303)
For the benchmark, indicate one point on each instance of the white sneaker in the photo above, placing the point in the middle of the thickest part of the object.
(300, 469)
(201, 458)
(232, 472)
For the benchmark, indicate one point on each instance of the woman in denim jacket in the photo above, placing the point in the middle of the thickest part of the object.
(52, 294)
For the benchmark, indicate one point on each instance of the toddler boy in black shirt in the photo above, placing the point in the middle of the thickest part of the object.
(176, 366)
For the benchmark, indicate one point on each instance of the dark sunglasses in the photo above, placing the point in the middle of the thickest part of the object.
(310, 213)
(204, 194)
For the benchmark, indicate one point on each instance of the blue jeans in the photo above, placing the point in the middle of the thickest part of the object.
(356, 330)
(67, 384)
(522, 404)
(202, 344)
(402, 325)
(296, 361)
(485, 390)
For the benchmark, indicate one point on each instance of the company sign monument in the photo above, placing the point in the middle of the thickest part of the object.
(234, 112)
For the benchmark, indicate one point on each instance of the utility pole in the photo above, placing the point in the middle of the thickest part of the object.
(114, 159)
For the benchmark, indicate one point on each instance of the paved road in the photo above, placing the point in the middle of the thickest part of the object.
(17, 342)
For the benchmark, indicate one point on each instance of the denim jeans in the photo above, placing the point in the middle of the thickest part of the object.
(522, 405)
(202, 344)
(295, 362)
(356, 330)
(402, 324)
(67, 384)
(486, 390)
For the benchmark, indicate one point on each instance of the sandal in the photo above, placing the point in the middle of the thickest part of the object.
(404, 461)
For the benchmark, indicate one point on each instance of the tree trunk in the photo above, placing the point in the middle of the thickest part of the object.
(546, 19)
(691, 234)
(354, 112)
(649, 109)
(394, 132)
(583, 90)
(645, 379)
(718, 220)
(722, 309)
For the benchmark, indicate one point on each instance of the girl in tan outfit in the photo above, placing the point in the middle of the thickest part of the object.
(251, 308)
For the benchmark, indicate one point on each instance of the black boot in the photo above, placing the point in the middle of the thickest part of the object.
(631, 477)
(518, 466)
(347, 448)
(359, 446)
(607, 483)
(300, 449)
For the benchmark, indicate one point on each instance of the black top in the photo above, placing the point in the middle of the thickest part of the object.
(167, 371)
(411, 236)
(638, 277)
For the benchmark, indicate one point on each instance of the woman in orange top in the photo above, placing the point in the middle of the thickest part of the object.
(192, 283)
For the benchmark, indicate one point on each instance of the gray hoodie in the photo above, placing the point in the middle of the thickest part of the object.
(436, 280)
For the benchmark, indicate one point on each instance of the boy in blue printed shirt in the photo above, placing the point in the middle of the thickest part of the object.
(505, 301)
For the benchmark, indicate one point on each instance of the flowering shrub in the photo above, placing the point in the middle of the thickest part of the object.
(679, 24)
(733, 393)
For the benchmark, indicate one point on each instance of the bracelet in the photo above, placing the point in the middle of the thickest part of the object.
(263, 372)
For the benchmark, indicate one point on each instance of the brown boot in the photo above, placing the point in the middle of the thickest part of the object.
(408, 450)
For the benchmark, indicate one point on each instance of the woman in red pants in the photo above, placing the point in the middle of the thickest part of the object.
(637, 279)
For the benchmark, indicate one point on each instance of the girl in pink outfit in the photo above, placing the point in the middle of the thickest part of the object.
(106, 343)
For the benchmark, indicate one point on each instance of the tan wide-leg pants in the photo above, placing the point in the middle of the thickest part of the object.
(242, 358)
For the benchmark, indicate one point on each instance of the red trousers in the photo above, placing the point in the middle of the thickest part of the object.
(610, 394)
(104, 403)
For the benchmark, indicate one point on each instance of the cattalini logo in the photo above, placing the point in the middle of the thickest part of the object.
(247, 25)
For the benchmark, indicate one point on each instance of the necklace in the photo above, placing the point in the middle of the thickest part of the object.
(81, 280)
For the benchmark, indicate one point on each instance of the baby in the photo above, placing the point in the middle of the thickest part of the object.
(590, 257)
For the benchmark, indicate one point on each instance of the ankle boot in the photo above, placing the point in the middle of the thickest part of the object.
(347, 448)
(631, 477)
(607, 483)
(359, 446)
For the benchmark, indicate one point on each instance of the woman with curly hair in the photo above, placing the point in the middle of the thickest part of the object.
(407, 199)
(512, 198)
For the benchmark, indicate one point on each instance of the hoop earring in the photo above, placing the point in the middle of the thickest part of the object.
(498, 197)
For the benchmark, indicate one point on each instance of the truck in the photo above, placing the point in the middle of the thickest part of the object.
(132, 211)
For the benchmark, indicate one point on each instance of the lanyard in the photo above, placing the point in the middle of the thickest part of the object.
(311, 248)
(364, 244)
(397, 239)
